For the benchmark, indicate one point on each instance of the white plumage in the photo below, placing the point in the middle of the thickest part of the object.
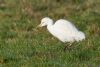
(64, 30)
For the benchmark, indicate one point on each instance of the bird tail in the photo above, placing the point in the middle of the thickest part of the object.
(81, 36)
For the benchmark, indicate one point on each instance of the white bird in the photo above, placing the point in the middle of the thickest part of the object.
(63, 30)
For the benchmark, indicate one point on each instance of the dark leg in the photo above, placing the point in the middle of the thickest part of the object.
(65, 48)
(68, 46)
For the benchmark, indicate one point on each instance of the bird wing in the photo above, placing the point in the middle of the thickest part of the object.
(66, 27)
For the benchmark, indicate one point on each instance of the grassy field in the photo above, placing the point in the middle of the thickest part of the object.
(21, 45)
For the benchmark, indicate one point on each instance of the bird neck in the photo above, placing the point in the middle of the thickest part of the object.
(50, 24)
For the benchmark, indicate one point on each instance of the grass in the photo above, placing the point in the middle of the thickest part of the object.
(21, 45)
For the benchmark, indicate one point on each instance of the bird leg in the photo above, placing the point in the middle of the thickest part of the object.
(65, 48)
(68, 46)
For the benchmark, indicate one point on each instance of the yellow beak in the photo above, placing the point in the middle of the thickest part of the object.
(39, 26)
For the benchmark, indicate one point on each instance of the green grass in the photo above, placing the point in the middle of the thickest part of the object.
(21, 45)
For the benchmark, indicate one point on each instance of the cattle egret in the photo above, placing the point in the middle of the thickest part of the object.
(63, 30)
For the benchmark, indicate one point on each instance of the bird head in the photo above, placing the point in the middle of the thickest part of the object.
(45, 21)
